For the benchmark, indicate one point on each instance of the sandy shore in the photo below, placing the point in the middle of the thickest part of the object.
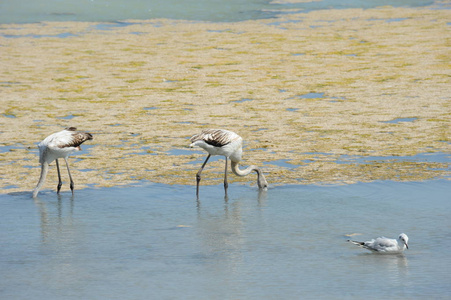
(143, 88)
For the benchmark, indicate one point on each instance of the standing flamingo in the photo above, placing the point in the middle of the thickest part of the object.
(229, 144)
(59, 145)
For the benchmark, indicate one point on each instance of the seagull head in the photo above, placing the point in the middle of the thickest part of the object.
(404, 239)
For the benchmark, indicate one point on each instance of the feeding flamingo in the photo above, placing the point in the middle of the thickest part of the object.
(59, 145)
(229, 144)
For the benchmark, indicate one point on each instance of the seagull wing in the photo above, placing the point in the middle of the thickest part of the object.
(382, 244)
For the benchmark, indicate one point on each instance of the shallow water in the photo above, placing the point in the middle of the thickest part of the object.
(155, 241)
(24, 11)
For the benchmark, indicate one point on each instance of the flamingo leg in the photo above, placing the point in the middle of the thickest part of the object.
(198, 177)
(226, 184)
(60, 183)
(70, 177)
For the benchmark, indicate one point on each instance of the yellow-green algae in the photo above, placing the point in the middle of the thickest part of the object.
(370, 71)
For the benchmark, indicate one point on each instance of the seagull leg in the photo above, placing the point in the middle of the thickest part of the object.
(70, 177)
(198, 178)
(226, 184)
(60, 183)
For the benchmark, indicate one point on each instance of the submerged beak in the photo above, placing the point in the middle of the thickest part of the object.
(262, 184)
(261, 180)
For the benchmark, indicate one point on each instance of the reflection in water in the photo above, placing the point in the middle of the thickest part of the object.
(222, 235)
(60, 241)
(395, 266)
(44, 218)
(262, 196)
(56, 224)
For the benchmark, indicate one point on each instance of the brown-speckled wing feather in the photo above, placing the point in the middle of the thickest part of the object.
(215, 137)
(77, 138)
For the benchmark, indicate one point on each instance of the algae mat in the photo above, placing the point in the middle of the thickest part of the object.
(303, 90)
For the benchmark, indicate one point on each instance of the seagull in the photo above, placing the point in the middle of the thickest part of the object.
(59, 145)
(385, 245)
(229, 144)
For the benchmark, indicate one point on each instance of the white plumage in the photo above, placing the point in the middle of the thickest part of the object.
(228, 144)
(59, 145)
(219, 142)
(385, 245)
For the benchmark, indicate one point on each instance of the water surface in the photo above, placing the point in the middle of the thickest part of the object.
(155, 241)
(25, 11)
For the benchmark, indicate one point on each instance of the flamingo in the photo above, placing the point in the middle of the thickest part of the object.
(385, 245)
(59, 145)
(229, 144)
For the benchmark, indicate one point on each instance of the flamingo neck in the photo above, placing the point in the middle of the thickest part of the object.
(44, 171)
(261, 180)
(237, 171)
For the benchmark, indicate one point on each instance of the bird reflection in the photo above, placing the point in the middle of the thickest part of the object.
(56, 222)
(222, 232)
(395, 267)
(60, 239)
(221, 236)
(261, 199)
(262, 196)
(43, 218)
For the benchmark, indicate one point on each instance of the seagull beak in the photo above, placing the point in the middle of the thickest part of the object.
(407, 246)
